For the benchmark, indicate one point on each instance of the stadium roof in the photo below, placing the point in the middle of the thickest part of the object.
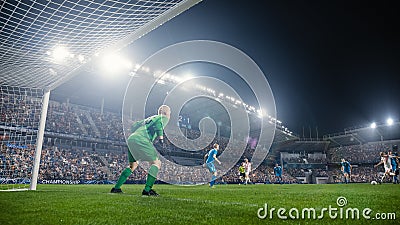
(353, 136)
(44, 43)
(364, 135)
(303, 146)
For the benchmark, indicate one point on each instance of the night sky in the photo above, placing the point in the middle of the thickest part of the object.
(330, 64)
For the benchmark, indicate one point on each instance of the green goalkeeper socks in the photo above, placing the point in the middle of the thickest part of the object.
(151, 177)
(124, 176)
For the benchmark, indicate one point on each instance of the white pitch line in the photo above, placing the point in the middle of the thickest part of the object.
(214, 202)
(193, 200)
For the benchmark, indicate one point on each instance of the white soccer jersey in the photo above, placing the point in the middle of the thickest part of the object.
(247, 166)
(386, 163)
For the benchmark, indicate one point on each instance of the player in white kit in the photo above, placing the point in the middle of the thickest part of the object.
(386, 164)
(247, 166)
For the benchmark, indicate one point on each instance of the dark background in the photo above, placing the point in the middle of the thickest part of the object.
(331, 64)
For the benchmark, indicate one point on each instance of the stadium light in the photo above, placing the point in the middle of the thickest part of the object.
(144, 69)
(81, 58)
(186, 77)
(260, 113)
(115, 63)
(60, 53)
(373, 125)
(389, 121)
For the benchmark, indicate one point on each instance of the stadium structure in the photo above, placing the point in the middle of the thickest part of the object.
(46, 43)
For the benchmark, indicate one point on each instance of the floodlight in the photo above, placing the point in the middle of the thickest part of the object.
(186, 77)
(81, 58)
(60, 53)
(128, 65)
(161, 81)
(114, 62)
(146, 69)
(373, 125)
(389, 121)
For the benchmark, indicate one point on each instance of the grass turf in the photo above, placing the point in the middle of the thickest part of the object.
(225, 204)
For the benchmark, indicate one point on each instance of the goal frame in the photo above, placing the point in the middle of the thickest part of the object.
(120, 44)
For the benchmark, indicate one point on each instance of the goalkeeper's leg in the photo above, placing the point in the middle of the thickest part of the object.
(151, 178)
(124, 176)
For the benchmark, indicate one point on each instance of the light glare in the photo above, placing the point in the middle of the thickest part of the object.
(389, 121)
(114, 63)
(60, 53)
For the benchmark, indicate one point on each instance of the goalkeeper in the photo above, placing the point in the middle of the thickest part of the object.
(140, 144)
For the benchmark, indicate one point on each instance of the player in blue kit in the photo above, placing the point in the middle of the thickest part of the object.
(346, 170)
(394, 162)
(278, 173)
(210, 157)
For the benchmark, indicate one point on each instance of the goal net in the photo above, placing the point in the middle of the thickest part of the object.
(44, 43)
(19, 122)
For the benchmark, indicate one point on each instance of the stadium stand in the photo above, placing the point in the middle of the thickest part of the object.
(88, 144)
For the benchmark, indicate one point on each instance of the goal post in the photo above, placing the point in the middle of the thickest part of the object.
(39, 142)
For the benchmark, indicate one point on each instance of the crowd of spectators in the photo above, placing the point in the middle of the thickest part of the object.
(16, 162)
(366, 153)
(361, 174)
(61, 118)
(77, 164)
(109, 125)
(81, 164)
(320, 172)
(19, 111)
(304, 159)
(56, 163)
(295, 172)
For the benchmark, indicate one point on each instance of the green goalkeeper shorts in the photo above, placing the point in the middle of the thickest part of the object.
(141, 148)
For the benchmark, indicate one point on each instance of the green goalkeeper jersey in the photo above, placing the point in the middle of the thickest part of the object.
(241, 169)
(152, 127)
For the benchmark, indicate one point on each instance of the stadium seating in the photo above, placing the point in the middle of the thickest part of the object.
(74, 163)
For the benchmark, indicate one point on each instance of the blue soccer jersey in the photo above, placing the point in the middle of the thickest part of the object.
(393, 162)
(346, 166)
(211, 154)
(278, 171)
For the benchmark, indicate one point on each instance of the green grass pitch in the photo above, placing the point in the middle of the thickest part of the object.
(224, 204)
